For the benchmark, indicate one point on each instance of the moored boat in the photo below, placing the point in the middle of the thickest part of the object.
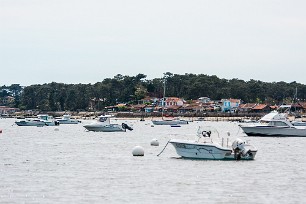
(170, 122)
(30, 122)
(66, 119)
(277, 126)
(211, 146)
(41, 120)
(103, 124)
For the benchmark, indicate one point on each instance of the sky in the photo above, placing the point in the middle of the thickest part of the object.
(77, 41)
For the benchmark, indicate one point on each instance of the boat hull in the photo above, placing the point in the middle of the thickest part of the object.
(268, 131)
(53, 123)
(207, 151)
(104, 128)
(68, 121)
(30, 123)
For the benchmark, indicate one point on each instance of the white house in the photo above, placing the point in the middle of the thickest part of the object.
(173, 101)
(204, 99)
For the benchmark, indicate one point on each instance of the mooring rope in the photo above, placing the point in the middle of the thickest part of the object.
(164, 148)
(239, 127)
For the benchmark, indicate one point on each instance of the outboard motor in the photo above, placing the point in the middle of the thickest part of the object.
(240, 149)
(126, 127)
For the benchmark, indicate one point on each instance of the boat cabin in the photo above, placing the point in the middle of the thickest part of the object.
(44, 117)
(104, 119)
(279, 123)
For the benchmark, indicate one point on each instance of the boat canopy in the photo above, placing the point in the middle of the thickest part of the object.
(105, 118)
(274, 115)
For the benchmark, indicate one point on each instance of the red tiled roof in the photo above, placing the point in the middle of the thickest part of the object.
(259, 107)
(172, 99)
(247, 105)
(234, 100)
(139, 106)
(172, 107)
(274, 107)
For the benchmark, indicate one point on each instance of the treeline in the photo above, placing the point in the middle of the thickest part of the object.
(129, 89)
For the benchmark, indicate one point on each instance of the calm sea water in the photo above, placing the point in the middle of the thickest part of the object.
(70, 165)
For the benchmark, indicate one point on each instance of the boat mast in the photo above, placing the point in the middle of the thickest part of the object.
(164, 95)
(295, 100)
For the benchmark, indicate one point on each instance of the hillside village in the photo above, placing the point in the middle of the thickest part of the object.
(174, 105)
(202, 104)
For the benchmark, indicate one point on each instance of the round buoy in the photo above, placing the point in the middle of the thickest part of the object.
(0, 131)
(56, 129)
(138, 151)
(154, 142)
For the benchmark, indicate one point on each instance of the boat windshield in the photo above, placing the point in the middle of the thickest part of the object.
(43, 117)
(208, 134)
(102, 119)
(278, 123)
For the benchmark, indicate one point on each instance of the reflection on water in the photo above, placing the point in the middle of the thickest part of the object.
(41, 165)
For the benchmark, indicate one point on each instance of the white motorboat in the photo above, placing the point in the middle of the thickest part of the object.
(278, 125)
(211, 146)
(30, 122)
(41, 120)
(66, 119)
(103, 124)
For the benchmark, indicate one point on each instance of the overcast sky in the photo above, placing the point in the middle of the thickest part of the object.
(77, 41)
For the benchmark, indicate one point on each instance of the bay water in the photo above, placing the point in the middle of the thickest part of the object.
(66, 164)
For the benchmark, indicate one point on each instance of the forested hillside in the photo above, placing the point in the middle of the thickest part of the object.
(129, 89)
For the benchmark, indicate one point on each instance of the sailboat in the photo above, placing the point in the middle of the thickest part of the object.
(172, 122)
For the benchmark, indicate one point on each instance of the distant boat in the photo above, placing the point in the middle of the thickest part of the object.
(66, 119)
(170, 122)
(30, 122)
(278, 126)
(103, 124)
(41, 120)
(174, 121)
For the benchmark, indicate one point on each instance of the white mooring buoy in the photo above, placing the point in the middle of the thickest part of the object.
(154, 142)
(138, 151)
